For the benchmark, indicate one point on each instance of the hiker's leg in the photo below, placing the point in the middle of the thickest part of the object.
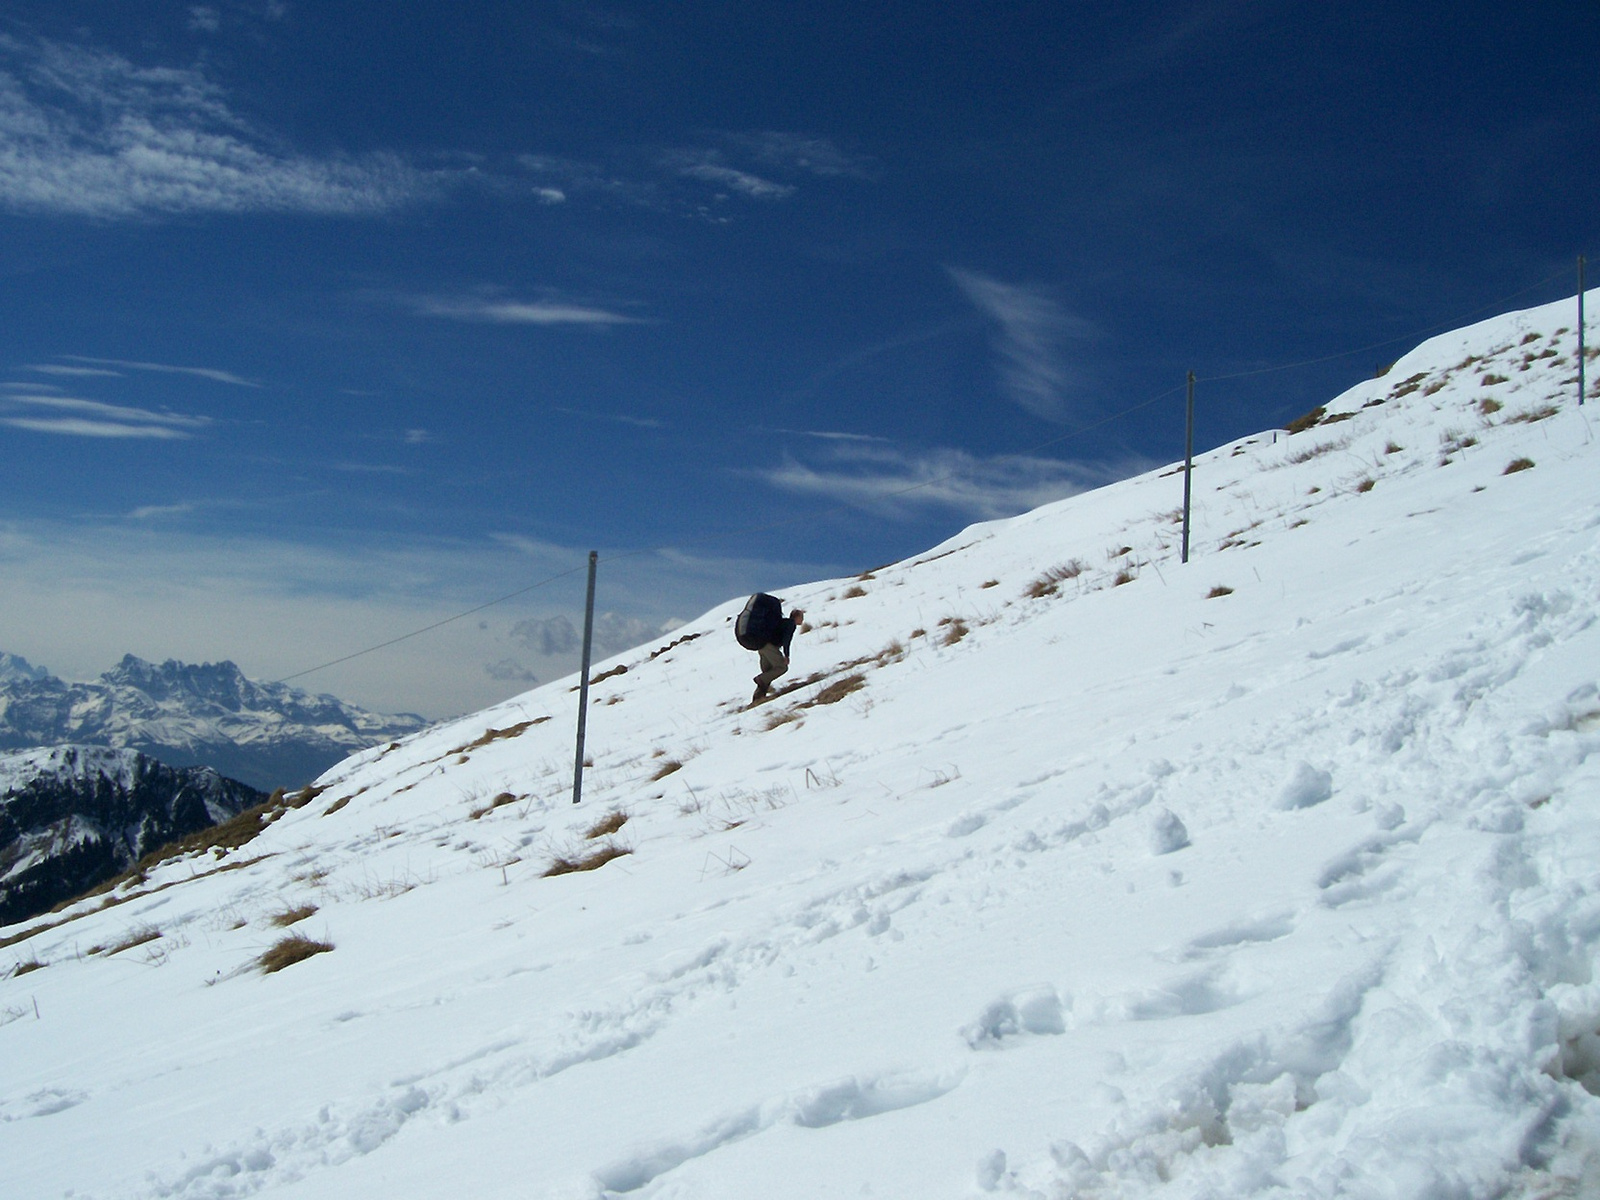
(773, 664)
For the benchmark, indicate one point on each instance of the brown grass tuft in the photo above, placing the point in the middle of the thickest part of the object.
(782, 717)
(610, 823)
(500, 801)
(1533, 414)
(840, 688)
(665, 769)
(134, 937)
(1217, 591)
(290, 916)
(290, 950)
(1517, 464)
(563, 864)
(954, 630)
(854, 592)
(1047, 583)
(1366, 485)
(1301, 424)
(23, 968)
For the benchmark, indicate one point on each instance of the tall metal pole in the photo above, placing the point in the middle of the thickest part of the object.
(1188, 465)
(583, 680)
(1581, 362)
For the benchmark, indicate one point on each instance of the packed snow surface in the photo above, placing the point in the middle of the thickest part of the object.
(1075, 871)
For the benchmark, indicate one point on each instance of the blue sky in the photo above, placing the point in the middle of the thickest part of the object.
(320, 323)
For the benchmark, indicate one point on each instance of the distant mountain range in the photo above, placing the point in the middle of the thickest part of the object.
(267, 735)
(74, 816)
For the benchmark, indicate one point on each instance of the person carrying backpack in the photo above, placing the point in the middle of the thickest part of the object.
(762, 627)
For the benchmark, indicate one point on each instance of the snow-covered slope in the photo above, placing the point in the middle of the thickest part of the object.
(1275, 874)
(267, 734)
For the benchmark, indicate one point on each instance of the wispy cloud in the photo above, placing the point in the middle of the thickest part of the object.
(101, 364)
(521, 312)
(75, 417)
(830, 435)
(78, 427)
(148, 512)
(895, 483)
(86, 132)
(707, 167)
(1032, 331)
(614, 418)
(73, 372)
(803, 153)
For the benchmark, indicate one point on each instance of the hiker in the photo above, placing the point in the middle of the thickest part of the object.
(762, 627)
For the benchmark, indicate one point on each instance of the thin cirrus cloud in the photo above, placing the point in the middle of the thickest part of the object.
(1032, 332)
(521, 312)
(893, 483)
(803, 153)
(88, 133)
(74, 417)
(115, 366)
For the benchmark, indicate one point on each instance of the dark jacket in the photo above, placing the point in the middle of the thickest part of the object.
(786, 629)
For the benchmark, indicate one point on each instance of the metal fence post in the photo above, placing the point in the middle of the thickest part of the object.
(1188, 465)
(583, 680)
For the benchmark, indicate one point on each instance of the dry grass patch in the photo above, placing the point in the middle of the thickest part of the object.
(1311, 452)
(134, 937)
(563, 864)
(1218, 591)
(23, 968)
(1052, 579)
(500, 801)
(665, 769)
(854, 592)
(1407, 386)
(1310, 419)
(290, 950)
(610, 823)
(1366, 485)
(839, 689)
(1517, 464)
(494, 735)
(673, 645)
(1121, 577)
(1533, 414)
(291, 916)
(954, 630)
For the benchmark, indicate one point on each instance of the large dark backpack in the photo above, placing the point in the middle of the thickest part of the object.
(758, 624)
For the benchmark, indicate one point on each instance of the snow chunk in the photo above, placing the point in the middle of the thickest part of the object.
(1306, 787)
(1167, 832)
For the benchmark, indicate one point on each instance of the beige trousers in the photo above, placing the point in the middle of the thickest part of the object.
(773, 664)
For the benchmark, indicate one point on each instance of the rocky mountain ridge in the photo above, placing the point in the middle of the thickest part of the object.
(185, 714)
(74, 816)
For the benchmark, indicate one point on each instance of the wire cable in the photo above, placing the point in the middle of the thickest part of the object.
(907, 490)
